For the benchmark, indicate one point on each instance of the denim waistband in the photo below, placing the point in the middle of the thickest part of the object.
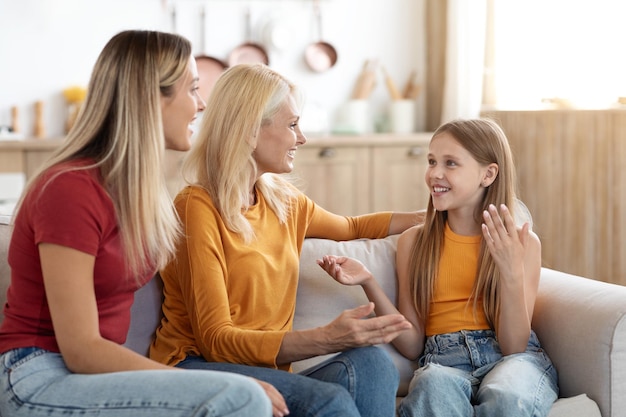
(13, 356)
(465, 337)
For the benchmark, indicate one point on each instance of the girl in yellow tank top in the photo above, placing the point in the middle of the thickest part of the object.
(467, 281)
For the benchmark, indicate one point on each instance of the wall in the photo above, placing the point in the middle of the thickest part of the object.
(46, 46)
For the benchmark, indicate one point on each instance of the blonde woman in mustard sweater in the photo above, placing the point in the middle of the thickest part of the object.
(230, 293)
(467, 281)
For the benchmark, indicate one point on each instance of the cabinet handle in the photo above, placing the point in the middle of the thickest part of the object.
(415, 151)
(327, 153)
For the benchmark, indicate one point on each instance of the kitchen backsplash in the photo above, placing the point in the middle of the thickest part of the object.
(48, 46)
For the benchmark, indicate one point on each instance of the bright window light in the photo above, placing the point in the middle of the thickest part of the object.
(573, 52)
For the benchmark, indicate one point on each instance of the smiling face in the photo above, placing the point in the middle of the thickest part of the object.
(456, 180)
(180, 110)
(278, 140)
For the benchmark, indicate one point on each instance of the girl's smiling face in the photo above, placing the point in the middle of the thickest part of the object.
(455, 179)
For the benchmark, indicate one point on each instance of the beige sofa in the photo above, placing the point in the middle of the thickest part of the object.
(581, 322)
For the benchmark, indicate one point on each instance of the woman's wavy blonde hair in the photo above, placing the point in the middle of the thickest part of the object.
(488, 144)
(221, 161)
(120, 129)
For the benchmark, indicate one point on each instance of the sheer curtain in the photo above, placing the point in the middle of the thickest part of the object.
(465, 59)
(456, 38)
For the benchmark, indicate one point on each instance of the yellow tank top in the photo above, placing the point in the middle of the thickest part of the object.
(451, 309)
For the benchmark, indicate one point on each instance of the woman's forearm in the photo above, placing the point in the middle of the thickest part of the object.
(400, 221)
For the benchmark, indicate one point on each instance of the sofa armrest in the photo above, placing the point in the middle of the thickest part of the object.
(582, 325)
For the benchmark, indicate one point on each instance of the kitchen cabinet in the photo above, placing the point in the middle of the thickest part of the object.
(571, 171)
(25, 155)
(352, 175)
(345, 174)
(335, 177)
(398, 177)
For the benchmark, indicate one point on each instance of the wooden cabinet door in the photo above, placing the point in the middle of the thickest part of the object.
(11, 161)
(34, 159)
(335, 177)
(398, 177)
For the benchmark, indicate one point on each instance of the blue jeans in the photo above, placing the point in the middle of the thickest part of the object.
(465, 374)
(358, 382)
(35, 382)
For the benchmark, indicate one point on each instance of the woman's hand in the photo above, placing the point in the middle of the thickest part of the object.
(351, 329)
(346, 271)
(279, 406)
(354, 328)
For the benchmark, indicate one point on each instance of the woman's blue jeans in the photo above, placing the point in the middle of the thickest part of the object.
(465, 374)
(35, 382)
(358, 382)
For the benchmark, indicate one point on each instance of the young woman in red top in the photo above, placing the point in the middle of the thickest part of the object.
(91, 228)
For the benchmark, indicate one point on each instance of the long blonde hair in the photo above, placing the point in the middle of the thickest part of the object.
(221, 161)
(120, 129)
(488, 144)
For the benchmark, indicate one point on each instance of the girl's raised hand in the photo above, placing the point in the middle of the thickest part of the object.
(506, 243)
(347, 271)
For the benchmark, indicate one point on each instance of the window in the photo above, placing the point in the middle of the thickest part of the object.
(572, 51)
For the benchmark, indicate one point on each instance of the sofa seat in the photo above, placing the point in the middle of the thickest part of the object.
(580, 322)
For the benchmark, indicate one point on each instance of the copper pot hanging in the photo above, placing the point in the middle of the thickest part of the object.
(320, 56)
(248, 52)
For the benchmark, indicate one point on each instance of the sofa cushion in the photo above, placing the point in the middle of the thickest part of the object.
(321, 299)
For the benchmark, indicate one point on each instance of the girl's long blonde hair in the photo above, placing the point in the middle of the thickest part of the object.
(120, 130)
(244, 98)
(488, 144)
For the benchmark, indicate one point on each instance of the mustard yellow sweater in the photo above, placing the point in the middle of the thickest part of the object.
(233, 302)
(450, 309)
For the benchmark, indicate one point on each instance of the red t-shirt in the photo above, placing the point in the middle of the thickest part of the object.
(73, 210)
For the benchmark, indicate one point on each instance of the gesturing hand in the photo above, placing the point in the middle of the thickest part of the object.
(352, 329)
(347, 271)
(506, 244)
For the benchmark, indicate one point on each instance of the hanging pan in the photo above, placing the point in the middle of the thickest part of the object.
(209, 67)
(320, 56)
(248, 52)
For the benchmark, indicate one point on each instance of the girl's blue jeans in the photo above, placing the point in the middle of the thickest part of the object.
(35, 382)
(465, 374)
(358, 382)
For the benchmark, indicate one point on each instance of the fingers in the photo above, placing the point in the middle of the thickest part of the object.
(361, 311)
(498, 226)
(279, 406)
(377, 330)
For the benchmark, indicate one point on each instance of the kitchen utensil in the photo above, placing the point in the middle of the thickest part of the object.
(412, 88)
(209, 67)
(320, 56)
(248, 52)
(15, 119)
(39, 130)
(366, 81)
(391, 86)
